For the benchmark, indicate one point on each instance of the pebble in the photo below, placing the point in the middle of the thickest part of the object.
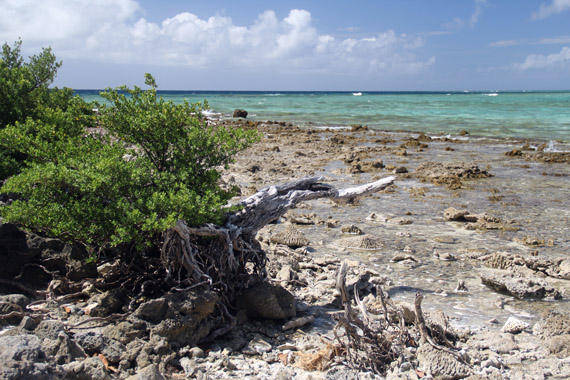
(491, 362)
(256, 346)
(405, 367)
(461, 286)
(514, 326)
(443, 256)
(196, 352)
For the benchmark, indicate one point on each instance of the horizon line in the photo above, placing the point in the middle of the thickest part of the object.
(338, 91)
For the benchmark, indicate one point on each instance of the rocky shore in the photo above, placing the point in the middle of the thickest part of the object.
(478, 227)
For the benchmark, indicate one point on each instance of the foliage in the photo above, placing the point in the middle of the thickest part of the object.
(24, 85)
(33, 116)
(153, 163)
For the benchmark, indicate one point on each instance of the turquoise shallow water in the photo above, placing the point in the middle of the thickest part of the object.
(534, 115)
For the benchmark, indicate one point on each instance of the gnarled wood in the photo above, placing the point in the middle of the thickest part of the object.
(228, 257)
(272, 202)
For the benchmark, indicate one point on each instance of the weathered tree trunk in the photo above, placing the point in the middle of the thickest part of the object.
(273, 202)
(229, 258)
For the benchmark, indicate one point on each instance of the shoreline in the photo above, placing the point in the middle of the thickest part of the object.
(508, 115)
(462, 224)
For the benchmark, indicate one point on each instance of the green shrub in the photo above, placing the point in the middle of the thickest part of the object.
(31, 114)
(24, 85)
(154, 163)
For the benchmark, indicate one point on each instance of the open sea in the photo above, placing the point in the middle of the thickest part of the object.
(539, 115)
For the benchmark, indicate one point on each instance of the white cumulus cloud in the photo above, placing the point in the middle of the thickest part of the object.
(114, 31)
(538, 61)
(555, 7)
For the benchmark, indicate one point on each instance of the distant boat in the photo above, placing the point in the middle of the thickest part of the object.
(357, 93)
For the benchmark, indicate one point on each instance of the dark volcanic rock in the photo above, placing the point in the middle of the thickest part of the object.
(267, 301)
(14, 252)
(109, 302)
(70, 260)
(240, 113)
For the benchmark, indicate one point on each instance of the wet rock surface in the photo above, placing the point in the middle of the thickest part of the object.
(453, 199)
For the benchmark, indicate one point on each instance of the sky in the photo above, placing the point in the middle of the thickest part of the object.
(325, 45)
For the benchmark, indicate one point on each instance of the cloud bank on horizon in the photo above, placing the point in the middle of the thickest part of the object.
(115, 32)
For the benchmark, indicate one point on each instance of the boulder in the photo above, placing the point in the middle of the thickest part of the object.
(89, 369)
(441, 364)
(153, 311)
(107, 303)
(183, 321)
(518, 286)
(94, 343)
(552, 323)
(68, 259)
(21, 357)
(267, 301)
(240, 113)
(14, 252)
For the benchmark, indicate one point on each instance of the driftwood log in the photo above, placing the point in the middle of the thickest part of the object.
(228, 258)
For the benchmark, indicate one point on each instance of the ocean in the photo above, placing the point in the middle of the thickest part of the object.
(513, 115)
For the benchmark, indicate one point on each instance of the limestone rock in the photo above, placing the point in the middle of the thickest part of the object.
(290, 237)
(441, 171)
(21, 357)
(306, 219)
(552, 323)
(453, 214)
(558, 345)
(514, 326)
(89, 369)
(351, 229)
(519, 287)
(184, 323)
(500, 343)
(68, 259)
(441, 364)
(360, 242)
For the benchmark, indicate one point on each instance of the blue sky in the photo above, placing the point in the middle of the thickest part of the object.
(353, 45)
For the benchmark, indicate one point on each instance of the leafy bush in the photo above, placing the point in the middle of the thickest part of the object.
(152, 164)
(31, 113)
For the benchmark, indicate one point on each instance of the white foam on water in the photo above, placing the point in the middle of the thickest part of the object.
(551, 148)
(210, 113)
